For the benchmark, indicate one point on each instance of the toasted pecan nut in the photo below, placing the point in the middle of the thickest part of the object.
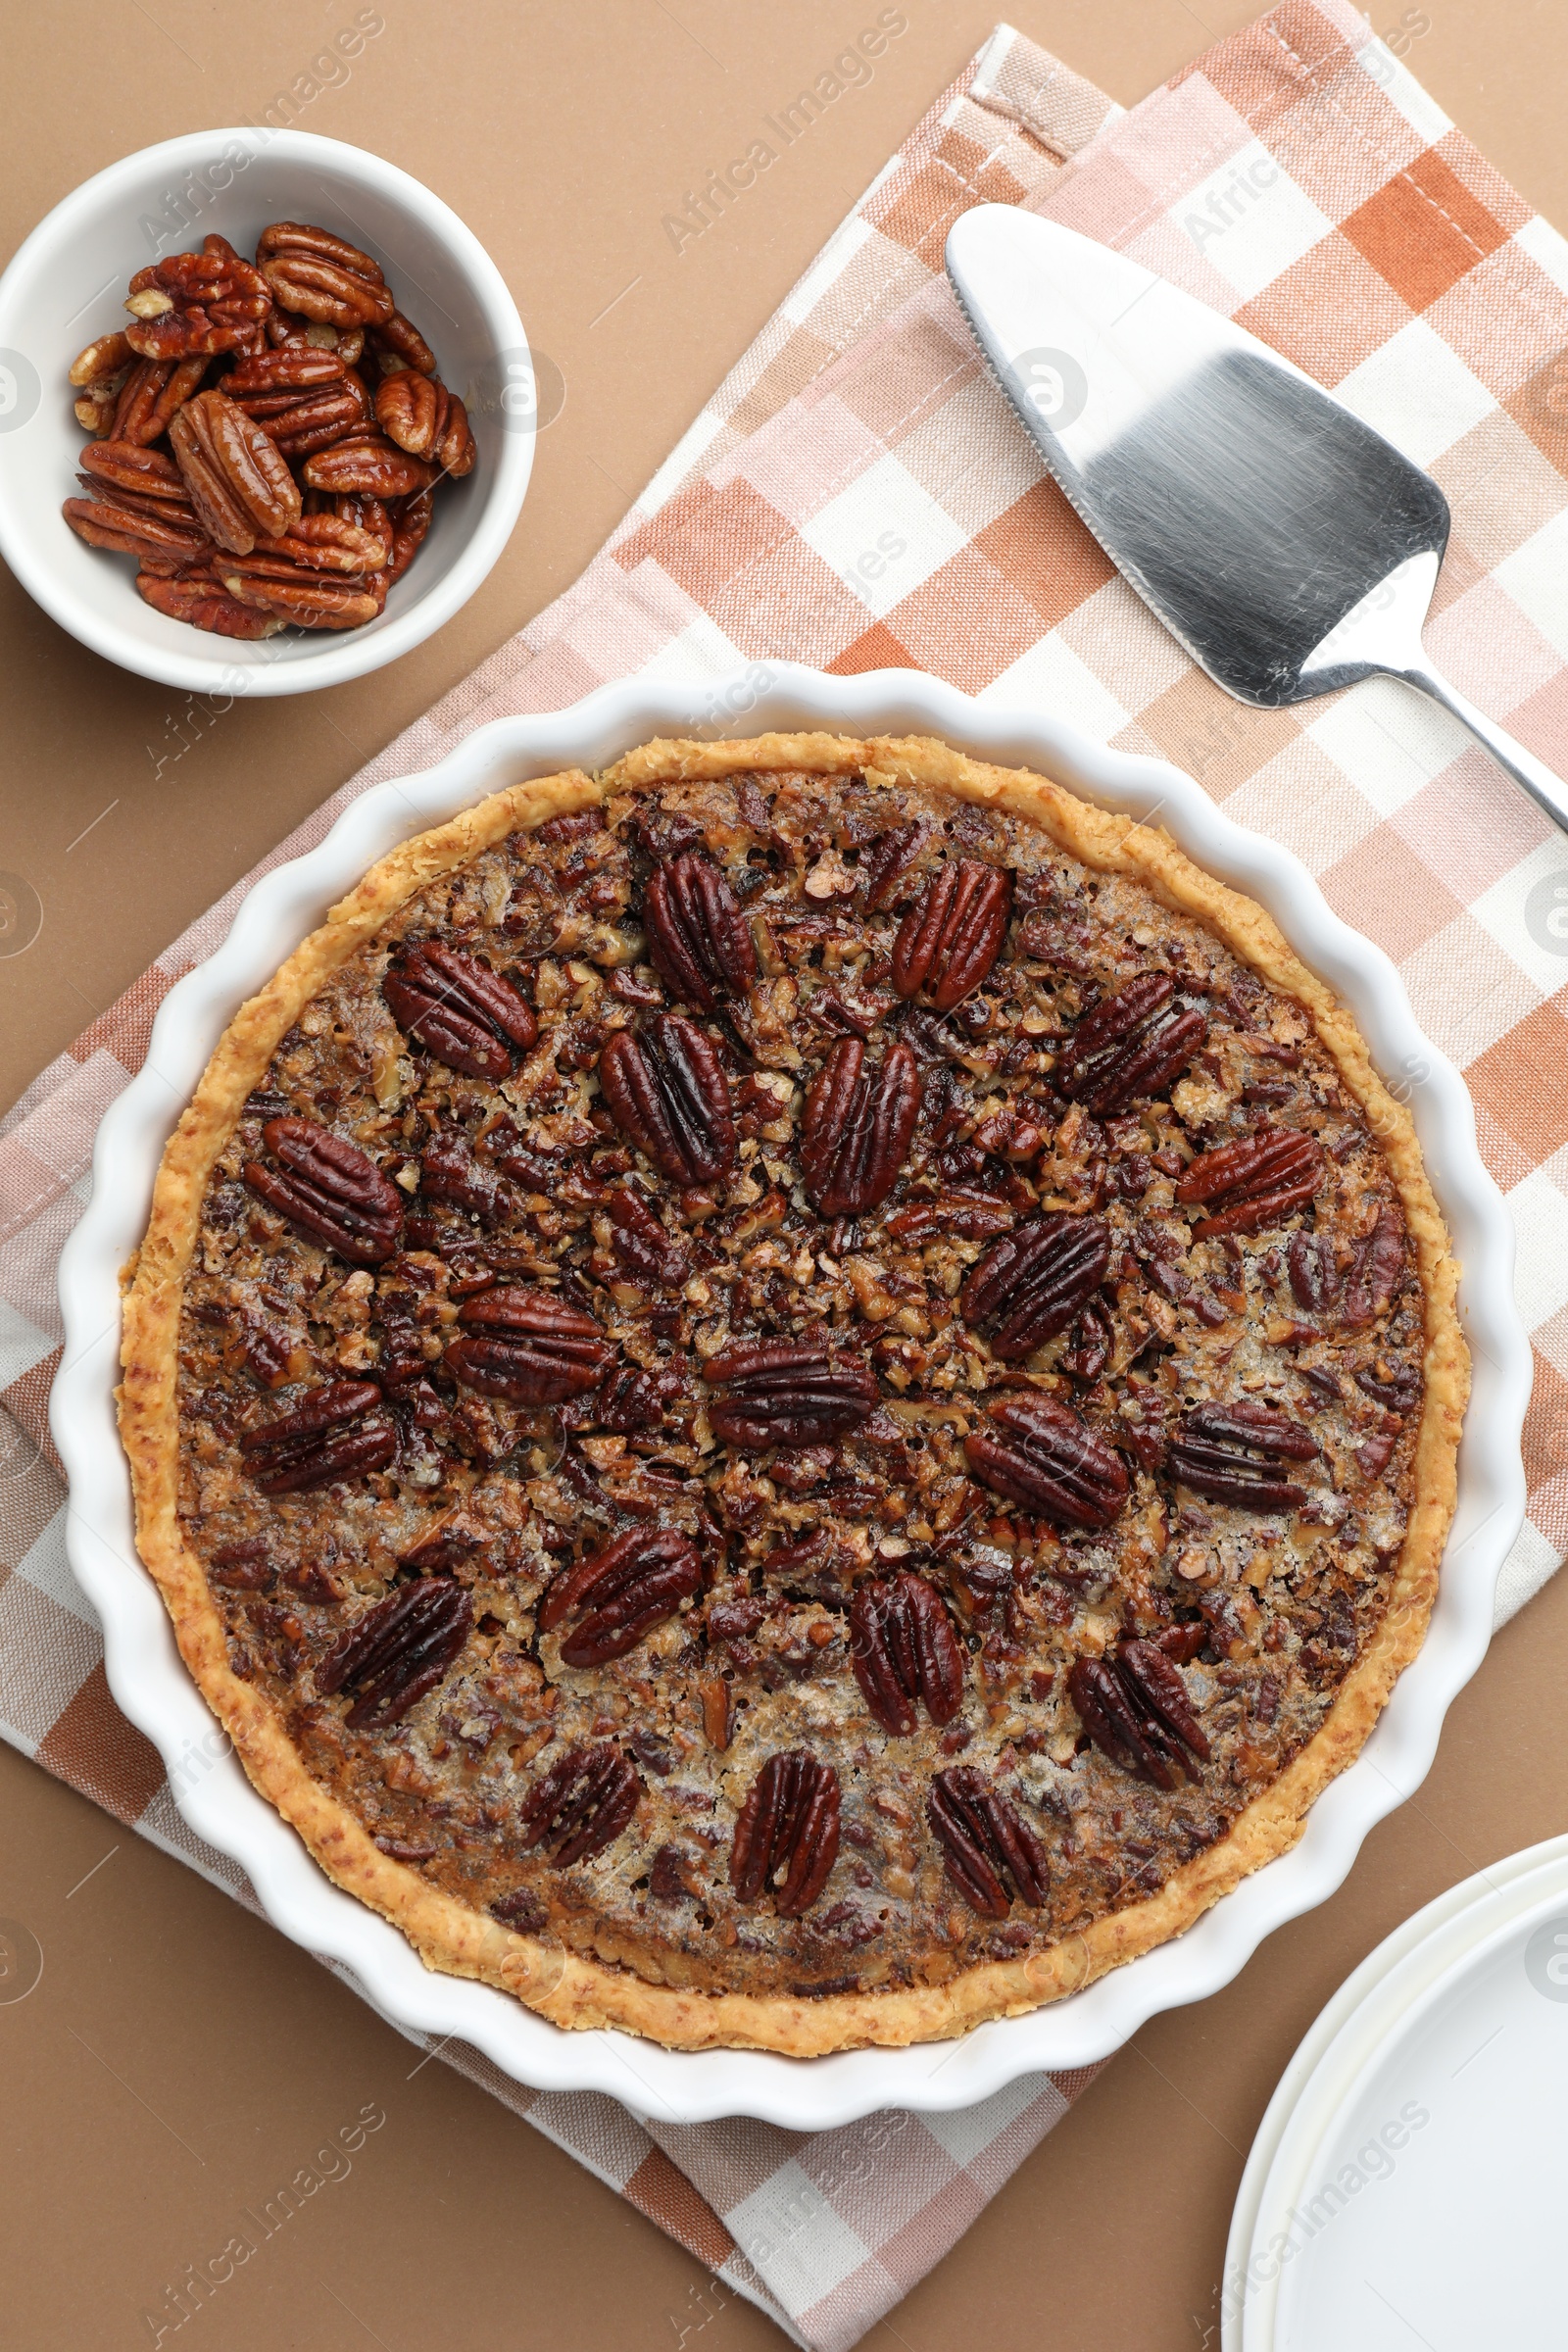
(330, 543)
(151, 395)
(787, 1836)
(320, 276)
(665, 1086)
(193, 304)
(787, 1393)
(581, 1804)
(905, 1651)
(621, 1594)
(305, 598)
(1233, 1454)
(698, 942)
(1253, 1183)
(105, 355)
(949, 939)
(319, 422)
(968, 1217)
(1131, 1044)
(283, 372)
(1034, 1281)
(338, 1431)
(284, 329)
(202, 605)
(990, 1851)
(303, 399)
(633, 1402)
(95, 408)
(411, 520)
(857, 1126)
(330, 1190)
(131, 467)
(1135, 1707)
(240, 485)
(161, 509)
(129, 532)
(527, 1346)
(398, 343)
(454, 447)
(398, 1651)
(409, 407)
(1041, 1455)
(368, 463)
(469, 1017)
(449, 1171)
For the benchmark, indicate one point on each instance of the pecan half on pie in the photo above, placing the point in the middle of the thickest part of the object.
(794, 1395)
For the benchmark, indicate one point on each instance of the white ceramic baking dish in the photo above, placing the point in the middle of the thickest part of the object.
(152, 1686)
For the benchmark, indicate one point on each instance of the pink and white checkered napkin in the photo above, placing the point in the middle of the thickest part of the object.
(858, 495)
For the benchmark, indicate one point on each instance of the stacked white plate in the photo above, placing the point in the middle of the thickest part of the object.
(1406, 2187)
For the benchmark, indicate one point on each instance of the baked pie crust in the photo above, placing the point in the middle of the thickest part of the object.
(1036, 1226)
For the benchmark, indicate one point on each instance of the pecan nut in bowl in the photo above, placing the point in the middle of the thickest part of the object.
(292, 593)
(320, 276)
(197, 597)
(366, 464)
(762, 1509)
(238, 381)
(193, 304)
(240, 485)
(427, 419)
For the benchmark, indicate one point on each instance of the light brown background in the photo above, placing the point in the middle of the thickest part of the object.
(178, 2059)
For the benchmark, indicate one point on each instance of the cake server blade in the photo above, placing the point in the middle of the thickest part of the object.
(1287, 546)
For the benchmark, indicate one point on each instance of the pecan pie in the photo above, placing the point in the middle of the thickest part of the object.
(795, 1395)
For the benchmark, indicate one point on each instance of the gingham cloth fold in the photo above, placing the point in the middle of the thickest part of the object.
(858, 495)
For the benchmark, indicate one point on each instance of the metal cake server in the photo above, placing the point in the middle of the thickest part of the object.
(1290, 548)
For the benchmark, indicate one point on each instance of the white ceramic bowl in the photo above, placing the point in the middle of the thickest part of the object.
(66, 284)
(152, 1686)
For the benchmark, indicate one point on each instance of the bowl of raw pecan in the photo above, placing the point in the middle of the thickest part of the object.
(265, 413)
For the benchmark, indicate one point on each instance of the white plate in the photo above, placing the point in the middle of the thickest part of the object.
(1342, 2039)
(1414, 2195)
(152, 1686)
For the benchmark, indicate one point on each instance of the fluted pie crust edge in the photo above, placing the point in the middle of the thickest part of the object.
(582, 1994)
